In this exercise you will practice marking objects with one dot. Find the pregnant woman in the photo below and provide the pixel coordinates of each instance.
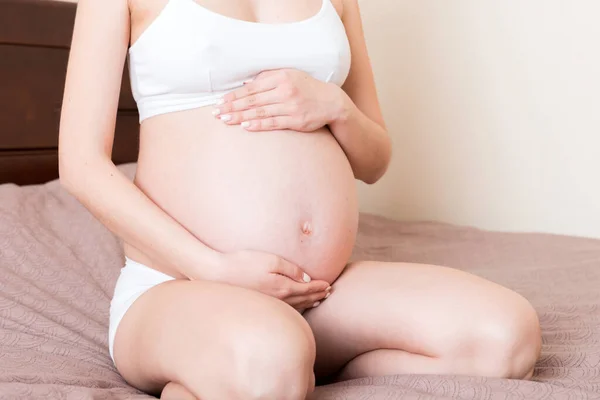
(256, 118)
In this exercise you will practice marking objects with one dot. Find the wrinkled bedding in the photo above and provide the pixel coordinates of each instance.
(58, 267)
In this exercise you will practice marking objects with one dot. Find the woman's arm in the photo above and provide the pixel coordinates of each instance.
(357, 122)
(96, 62)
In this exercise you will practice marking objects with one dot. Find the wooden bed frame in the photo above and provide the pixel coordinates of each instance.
(35, 36)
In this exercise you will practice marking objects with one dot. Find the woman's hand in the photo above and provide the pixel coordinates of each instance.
(281, 99)
(273, 276)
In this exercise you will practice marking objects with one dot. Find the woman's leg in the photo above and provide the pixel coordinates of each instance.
(393, 318)
(213, 341)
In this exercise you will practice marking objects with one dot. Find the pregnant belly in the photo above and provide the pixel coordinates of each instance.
(288, 193)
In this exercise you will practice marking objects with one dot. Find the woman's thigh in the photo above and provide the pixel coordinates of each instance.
(217, 341)
(420, 309)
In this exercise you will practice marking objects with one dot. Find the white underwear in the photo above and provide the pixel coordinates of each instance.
(135, 280)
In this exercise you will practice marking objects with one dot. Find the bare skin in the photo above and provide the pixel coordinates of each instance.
(239, 215)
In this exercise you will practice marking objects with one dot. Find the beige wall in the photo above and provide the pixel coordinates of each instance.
(494, 109)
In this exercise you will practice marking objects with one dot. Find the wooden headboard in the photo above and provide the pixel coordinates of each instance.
(35, 36)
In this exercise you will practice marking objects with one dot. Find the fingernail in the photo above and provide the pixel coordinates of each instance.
(226, 117)
(306, 278)
(245, 124)
(220, 102)
(216, 112)
(316, 304)
(328, 289)
(327, 295)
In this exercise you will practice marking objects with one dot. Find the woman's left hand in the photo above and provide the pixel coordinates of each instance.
(281, 99)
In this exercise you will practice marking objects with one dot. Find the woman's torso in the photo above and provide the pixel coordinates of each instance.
(283, 192)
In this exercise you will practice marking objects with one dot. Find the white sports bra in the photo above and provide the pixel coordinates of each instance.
(190, 56)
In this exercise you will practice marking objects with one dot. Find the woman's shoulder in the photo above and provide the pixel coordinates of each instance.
(338, 5)
(146, 6)
(344, 7)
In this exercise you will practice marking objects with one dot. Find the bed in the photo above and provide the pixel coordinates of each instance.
(58, 264)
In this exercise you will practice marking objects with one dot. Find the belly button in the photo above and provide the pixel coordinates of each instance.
(307, 228)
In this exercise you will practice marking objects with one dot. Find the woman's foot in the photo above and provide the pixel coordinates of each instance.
(174, 391)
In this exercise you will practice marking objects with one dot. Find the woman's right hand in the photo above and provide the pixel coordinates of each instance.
(273, 276)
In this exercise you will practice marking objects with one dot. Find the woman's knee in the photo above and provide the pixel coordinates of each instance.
(275, 358)
(269, 355)
(507, 344)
